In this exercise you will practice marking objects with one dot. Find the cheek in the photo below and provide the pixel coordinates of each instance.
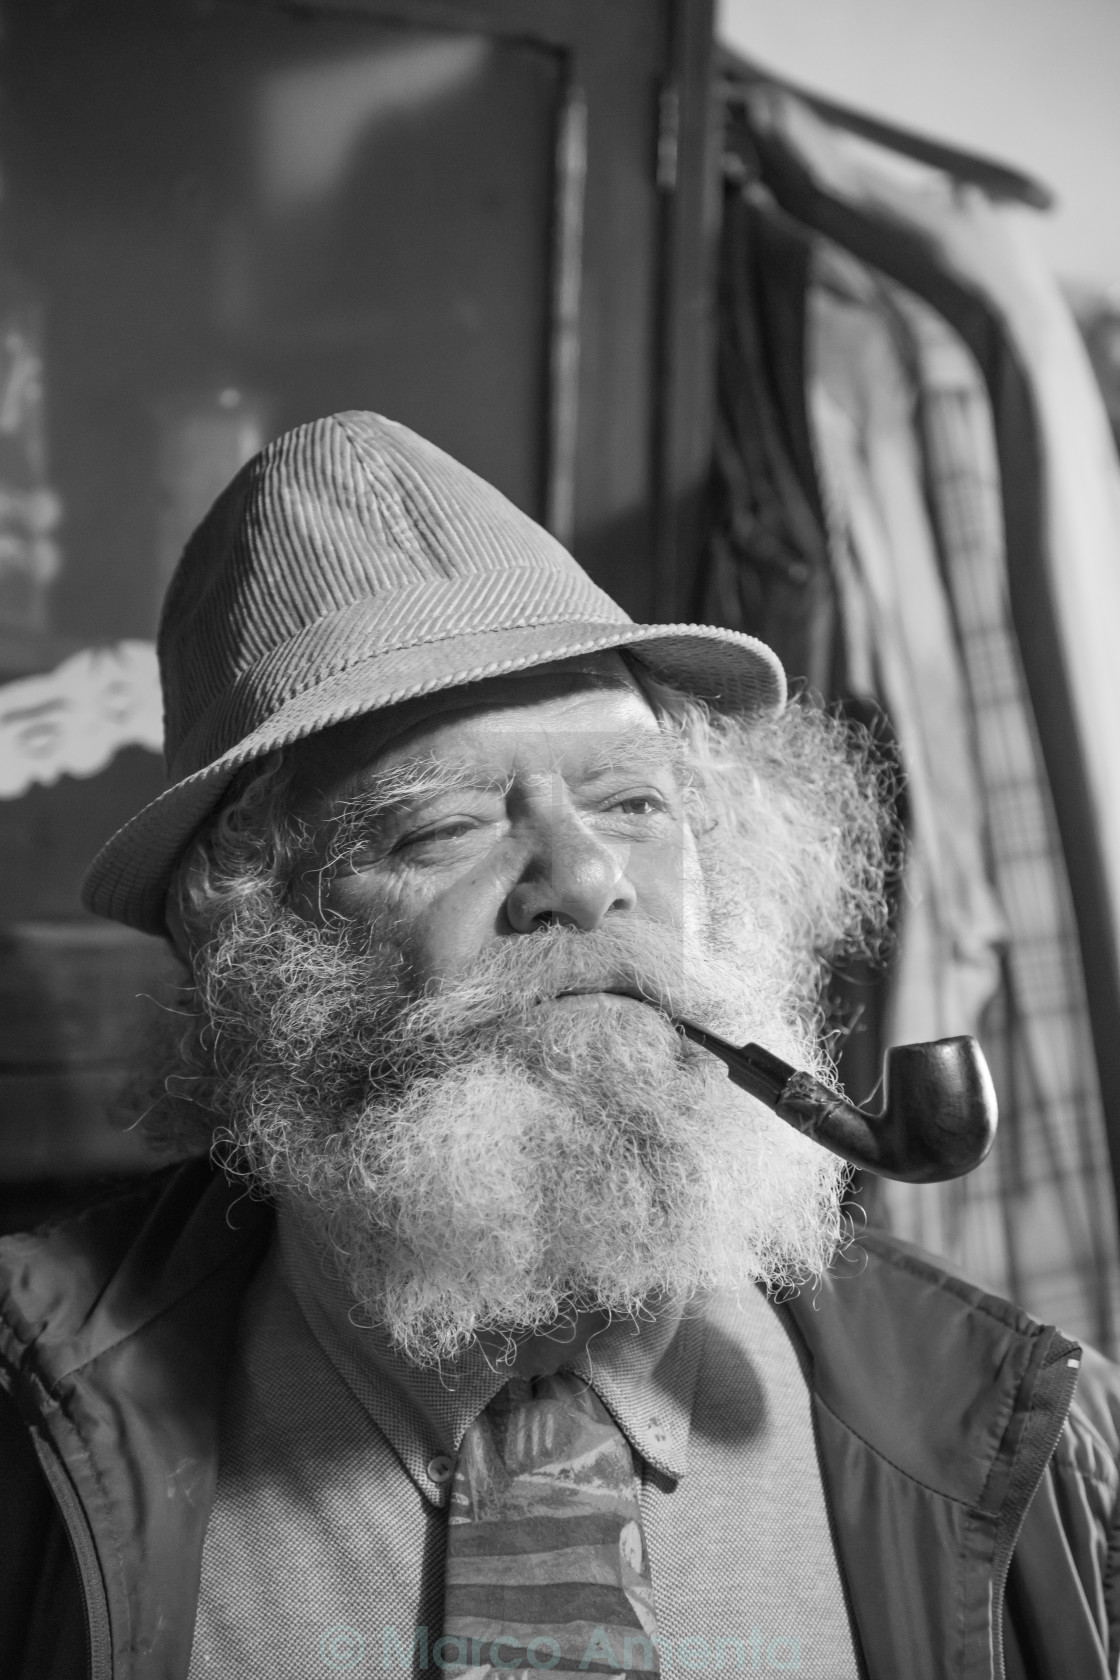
(442, 925)
(694, 891)
(666, 877)
(320, 897)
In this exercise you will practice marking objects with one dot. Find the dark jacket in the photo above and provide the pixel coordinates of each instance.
(974, 1499)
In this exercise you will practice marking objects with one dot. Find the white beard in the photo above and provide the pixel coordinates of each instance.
(476, 1160)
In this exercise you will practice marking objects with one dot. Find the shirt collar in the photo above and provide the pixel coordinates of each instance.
(643, 1370)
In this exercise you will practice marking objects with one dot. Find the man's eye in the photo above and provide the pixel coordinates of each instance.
(640, 805)
(455, 829)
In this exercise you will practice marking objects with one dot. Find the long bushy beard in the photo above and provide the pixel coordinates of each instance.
(482, 1158)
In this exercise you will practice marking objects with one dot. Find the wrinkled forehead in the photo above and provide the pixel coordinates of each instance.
(523, 706)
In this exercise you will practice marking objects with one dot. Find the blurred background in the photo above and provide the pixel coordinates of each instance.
(802, 319)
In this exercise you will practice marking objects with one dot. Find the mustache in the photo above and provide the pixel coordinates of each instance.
(510, 981)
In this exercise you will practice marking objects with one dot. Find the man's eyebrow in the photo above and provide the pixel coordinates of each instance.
(635, 750)
(392, 790)
(416, 778)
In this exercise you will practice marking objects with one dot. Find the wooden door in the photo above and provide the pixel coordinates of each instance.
(487, 218)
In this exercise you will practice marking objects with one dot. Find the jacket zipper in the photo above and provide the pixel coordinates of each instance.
(80, 1536)
(1067, 1356)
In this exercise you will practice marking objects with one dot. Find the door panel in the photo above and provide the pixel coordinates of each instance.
(237, 222)
(222, 217)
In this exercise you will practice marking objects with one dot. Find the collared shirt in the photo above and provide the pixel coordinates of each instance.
(325, 1552)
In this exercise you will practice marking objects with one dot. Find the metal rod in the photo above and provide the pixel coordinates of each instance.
(938, 1119)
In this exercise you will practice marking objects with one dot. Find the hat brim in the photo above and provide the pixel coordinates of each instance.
(129, 878)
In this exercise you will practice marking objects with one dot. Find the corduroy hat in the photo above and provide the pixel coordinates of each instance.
(350, 566)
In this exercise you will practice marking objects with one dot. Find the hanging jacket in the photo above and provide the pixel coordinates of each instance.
(766, 568)
(974, 1499)
(954, 248)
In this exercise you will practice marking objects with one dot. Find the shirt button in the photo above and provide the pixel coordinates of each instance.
(440, 1468)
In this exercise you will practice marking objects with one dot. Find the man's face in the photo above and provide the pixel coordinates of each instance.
(433, 1039)
(550, 798)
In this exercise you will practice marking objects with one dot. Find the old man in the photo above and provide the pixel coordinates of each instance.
(482, 1323)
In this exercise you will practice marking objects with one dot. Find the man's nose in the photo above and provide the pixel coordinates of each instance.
(572, 877)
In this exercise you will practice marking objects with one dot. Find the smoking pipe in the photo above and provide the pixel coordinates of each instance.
(939, 1106)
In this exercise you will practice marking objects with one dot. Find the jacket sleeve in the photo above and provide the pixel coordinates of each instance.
(1062, 1606)
(42, 1618)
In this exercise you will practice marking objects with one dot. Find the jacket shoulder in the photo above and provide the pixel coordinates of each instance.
(923, 1366)
(117, 1329)
(59, 1269)
(70, 1290)
(1087, 1452)
(1093, 1421)
(908, 1272)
